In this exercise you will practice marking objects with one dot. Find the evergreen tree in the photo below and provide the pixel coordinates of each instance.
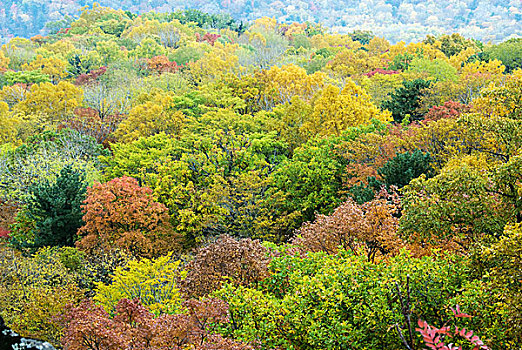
(406, 100)
(55, 209)
(404, 167)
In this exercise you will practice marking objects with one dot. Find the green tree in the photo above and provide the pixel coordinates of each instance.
(406, 100)
(455, 208)
(404, 167)
(54, 208)
(509, 52)
(342, 301)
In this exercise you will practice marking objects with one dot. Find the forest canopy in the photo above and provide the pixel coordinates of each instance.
(396, 20)
(187, 180)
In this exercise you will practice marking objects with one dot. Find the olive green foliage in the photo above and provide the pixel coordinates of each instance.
(406, 100)
(43, 157)
(401, 61)
(54, 211)
(33, 290)
(25, 77)
(505, 259)
(509, 52)
(437, 69)
(213, 185)
(362, 36)
(454, 206)
(310, 180)
(454, 44)
(339, 301)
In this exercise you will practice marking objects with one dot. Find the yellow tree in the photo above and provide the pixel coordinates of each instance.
(282, 84)
(150, 118)
(321, 41)
(502, 98)
(4, 61)
(216, 64)
(51, 102)
(8, 125)
(477, 75)
(378, 46)
(351, 62)
(55, 68)
(335, 110)
(59, 49)
(429, 51)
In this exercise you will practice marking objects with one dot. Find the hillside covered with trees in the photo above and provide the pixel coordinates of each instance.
(185, 180)
(396, 20)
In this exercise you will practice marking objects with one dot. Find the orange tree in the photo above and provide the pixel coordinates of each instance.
(122, 213)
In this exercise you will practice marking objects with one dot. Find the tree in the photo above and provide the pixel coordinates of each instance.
(150, 118)
(454, 207)
(406, 100)
(35, 288)
(123, 214)
(404, 167)
(330, 301)
(55, 68)
(505, 260)
(26, 77)
(52, 102)
(43, 157)
(455, 43)
(334, 110)
(4, 62)
(509, 52)
(152, 282)
(450, 109)
(309, 182)
(241, 262)
(370, 227)
(87, 121)
(281, 85)
(54, 210)
(132, 327)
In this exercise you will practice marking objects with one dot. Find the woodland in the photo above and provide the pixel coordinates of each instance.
(396, 20)
(184, 180)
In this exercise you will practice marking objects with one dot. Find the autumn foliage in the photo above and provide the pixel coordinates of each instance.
(242, 262)
(324, 190)
(133, 327)
(436, 338)
(123, 214)
(370, 228)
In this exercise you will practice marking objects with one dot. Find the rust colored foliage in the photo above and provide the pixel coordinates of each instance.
(208, 37)
(381, 71)
(91, 77)
(123, 214)
(88, 121)
(89, 326)
(243, 262)
(7, 217)
(450, 109)
(370, 227)
(161, 64)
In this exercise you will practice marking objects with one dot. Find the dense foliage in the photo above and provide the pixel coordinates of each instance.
(190, 181)
(396, 19)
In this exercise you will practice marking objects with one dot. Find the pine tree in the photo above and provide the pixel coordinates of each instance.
(55, 208)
